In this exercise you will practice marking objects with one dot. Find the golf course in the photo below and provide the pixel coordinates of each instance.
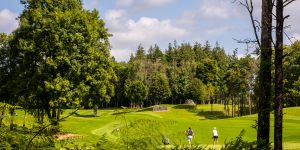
(144, 124)
(150, 74)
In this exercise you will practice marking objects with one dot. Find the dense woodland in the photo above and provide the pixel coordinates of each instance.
(59, 58)
(202, 73)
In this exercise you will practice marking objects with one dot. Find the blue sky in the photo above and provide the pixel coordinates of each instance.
(148, 22)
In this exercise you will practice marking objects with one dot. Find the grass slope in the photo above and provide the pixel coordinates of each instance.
(173, 124)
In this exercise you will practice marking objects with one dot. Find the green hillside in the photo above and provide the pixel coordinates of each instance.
(146, 124)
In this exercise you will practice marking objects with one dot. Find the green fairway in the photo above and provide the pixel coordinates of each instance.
(173, 123)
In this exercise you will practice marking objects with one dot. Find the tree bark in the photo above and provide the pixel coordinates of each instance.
(263, 132)
(250, 104)
(24, 121)
(278, 77)
(53, 113)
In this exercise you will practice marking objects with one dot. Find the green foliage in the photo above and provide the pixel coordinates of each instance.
(136, 91)
(295, 91)
(291, 67)
(141, 134)
(19, 139)
(239, 144)
(61, 56)
(159, 88)
(196, 90)
(207, 71)
(155, 54)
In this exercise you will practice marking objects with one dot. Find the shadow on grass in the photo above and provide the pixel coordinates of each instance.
(84, 116)
(206, 114)
(212, 115)
(184, 106)
(145, 109)
(121, 112)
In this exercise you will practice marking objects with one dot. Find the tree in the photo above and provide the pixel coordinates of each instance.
(159, 89)
(265, 48)
(196, 90)
(291, 69)
(155, 54)
(278, 104)
(136, 92)
(207, 71)
(60, 42)
(263, 132)
(295, 90)
(4, 66)
(121, 70)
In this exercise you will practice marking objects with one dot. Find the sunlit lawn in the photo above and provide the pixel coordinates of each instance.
(175, 121)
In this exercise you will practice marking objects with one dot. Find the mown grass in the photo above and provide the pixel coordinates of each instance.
(172, 124)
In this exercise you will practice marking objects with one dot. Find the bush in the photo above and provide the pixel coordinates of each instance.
(19, 139)
(240, 144)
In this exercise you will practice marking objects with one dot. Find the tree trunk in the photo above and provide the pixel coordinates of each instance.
(234, 103)
(53, 113)
(24, 123)
(263, 131)
(42, 116)
(12, 115)
(2, 115)
(242, 105)
(250, 103)
(239, 106)
(58, 113)
(211, 105)
(278, 77)
(95, 110)
(232, 108)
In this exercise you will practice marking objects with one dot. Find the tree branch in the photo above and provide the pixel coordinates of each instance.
(285, 17)
(52, 123)
(287, 2)
(249, 6)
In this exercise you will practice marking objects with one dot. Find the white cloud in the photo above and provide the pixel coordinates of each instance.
(91, 4)
(217, 30)
(8, 21)
(211, 18)
(121, 54)
(128, 33)
(124, 3)
(294, 11)
(115, 19)
(213, 9)
(146, 31)
(142, 4)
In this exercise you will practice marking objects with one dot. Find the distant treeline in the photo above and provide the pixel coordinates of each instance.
(202, 73)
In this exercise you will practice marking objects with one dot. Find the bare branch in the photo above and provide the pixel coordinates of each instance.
(285, 17)
(288, 37)
(287, 27)
(274, 16)
(287, 2)
(245, 41)
(274, 44)
(250, 43)
(258, 24)
(249, 6)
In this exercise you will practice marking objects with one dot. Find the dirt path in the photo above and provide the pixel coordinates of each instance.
(65, 136)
